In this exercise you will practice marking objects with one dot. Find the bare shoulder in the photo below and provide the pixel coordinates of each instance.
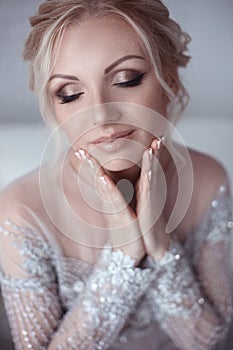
(209, 175)
(21, 207)
(23, 191)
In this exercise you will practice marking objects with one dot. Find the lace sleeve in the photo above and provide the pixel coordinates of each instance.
(31, 295)
(28, 285)
(100, 311)
(192, 288)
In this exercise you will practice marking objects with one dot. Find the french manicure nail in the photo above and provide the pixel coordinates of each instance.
(150, 153)
(90, 163)
(159, 144)
(82, 154)
(78, 155)
(149, 174)
(103, 180)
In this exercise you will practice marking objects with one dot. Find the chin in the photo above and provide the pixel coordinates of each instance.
(121, 159)
(118, 165)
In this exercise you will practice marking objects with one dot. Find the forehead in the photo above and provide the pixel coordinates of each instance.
(106, 38)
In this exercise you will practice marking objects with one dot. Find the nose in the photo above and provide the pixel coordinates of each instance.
(107, 112)
(104, 110)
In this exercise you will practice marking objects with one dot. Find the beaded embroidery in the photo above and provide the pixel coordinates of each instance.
(69, 304)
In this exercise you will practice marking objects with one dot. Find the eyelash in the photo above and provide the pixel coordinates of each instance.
(130, 83)
(69, 98)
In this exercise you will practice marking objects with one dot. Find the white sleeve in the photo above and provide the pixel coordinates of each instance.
(192, 288)
(30, 292)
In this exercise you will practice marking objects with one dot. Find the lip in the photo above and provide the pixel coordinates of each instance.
(113, 136)
(115, 142)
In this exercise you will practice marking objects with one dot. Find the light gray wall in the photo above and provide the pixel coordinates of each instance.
(17, 102)
(209, 77)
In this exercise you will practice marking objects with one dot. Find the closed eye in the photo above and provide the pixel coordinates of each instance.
(64, 97)
(131, 83)
(68, 98)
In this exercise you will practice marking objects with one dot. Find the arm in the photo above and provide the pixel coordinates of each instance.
(192, 298)
(185, 298)
(28, 285)
(103, 306)
(31, 298)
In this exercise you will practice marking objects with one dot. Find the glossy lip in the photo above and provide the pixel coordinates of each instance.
(113, 136)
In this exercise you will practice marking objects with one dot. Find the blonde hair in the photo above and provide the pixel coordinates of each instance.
(161, 36)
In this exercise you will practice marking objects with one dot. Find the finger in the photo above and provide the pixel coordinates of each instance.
(146, 189)
(158, 143)
(121, 220)
(145, 178)
(151, 225)
(92, 162)
(123, 225)
(109, 192)
(143, 208)
(105, 185)
(149, 174)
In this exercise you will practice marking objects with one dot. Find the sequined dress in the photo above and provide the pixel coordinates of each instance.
(183, 301)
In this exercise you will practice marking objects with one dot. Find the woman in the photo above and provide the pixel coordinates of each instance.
(119, 273)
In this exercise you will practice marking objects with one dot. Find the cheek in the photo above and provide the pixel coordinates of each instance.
(63, 111)
(144, 138)
(151, 96)
(154, 99)
(72, 127)
(59, 114)
(65, 121)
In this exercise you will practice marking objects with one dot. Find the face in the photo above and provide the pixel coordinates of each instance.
(101, 64)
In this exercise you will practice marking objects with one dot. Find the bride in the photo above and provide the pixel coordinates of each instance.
(122, 240)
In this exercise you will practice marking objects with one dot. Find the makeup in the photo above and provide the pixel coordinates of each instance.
(112, 144)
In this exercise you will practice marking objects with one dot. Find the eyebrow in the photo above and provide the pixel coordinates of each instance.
(120, 60)
(106, 71)
(63, 76)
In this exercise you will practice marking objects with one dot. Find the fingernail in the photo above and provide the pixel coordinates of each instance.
(89, 161)
(78, 155)
(82, 154)
(150, 151)
(160, 142)
(149, 174)
(102, 179)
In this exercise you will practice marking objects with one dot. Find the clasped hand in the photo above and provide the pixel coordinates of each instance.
(140, 232)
